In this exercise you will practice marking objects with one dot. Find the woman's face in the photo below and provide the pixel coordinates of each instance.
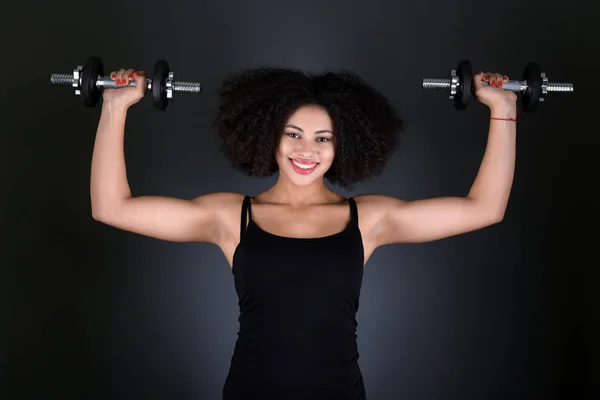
(306, 149)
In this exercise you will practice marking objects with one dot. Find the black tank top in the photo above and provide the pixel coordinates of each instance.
(298, 298)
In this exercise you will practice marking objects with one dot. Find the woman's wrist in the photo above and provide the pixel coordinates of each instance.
(505, 110)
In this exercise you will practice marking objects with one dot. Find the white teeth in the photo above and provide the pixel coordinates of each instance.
(304, 166)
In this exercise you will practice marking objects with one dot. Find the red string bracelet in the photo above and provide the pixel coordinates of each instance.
(508, 119)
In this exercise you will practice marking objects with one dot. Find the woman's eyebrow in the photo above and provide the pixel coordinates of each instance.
(300, 129)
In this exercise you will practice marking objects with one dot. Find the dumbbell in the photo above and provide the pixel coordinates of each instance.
(533, 88)
(89, 82)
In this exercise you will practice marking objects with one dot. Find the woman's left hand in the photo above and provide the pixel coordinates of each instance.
(493, 95)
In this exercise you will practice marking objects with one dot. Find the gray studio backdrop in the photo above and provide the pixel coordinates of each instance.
(92, 312)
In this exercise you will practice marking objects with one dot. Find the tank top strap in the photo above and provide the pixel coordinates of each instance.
(353, 209)
(246, 210)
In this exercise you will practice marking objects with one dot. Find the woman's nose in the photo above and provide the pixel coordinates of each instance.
(305, 147)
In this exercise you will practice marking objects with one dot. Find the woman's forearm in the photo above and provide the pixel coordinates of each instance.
(493, 183)
(108, 183)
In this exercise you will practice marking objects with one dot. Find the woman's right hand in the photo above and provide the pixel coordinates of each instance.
(126, 96)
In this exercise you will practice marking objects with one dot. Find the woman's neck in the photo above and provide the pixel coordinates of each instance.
(285, 192)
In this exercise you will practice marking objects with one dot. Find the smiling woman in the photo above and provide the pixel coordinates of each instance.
(297, 250)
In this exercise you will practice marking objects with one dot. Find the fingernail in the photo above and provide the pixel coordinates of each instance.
(486, 78)
(136, 73)
(499, 84)
(118, 81)
(130, 76)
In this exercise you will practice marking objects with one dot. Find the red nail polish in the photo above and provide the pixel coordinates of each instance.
(118, 82)
(499, 84)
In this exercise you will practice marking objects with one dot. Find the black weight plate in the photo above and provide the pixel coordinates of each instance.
(90, 93)
(464, 72)
(531, 97)
(159, 85)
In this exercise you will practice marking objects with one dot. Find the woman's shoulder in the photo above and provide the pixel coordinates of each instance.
(225, 208)
(220, 198)
(221, 203)
(373, 207)
(375, 200)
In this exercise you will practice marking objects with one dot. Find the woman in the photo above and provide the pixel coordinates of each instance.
(298, 249)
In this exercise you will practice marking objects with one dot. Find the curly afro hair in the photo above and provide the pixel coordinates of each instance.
(256, 103)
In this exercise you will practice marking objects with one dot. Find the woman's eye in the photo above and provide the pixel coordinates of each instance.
(291, 134)
(324, 139)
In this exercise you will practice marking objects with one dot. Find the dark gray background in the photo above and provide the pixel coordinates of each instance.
(91, 312)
